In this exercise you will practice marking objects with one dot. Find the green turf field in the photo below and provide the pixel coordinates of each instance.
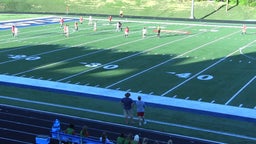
(205, 62)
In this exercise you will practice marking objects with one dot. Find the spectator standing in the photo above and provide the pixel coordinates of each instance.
(140, 106)
(127, 103)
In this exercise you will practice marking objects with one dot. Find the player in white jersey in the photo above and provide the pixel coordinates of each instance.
(144, 32)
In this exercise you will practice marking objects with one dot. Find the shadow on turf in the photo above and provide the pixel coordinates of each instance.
(98, 69)
(160, 78)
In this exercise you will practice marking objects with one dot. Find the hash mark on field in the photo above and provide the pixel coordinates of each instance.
(239, 91)
(241, 105)
(77, 83)
(151, 93)
(213, 101)
(200, 99)
(187, 98)
(212, 65)
(68, 81)
(49, 79)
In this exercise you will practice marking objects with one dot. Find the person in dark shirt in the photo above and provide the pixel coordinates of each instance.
(127, 103)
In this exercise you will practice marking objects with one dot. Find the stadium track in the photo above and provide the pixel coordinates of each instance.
(21, 126)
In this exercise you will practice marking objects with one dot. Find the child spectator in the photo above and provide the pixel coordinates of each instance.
(120, 139)
(140, 105)
(104, 139)
(70, 130)
(84, 131)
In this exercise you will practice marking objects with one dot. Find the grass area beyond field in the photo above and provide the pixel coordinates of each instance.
(163, 8)
(212, 63)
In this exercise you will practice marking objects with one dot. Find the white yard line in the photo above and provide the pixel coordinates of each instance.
(169, 59)
(47, 52)
(219, 61)
(127, 57)
(42, 36)
(239, 91)
(80, 56)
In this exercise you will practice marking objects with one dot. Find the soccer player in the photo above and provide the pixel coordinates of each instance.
(120, 26)
(81, 19)
(13, 30)
(90, 20)
(76, 26)
(109, 19)
(95, 26)
(121, 13)
(126, 32)
(244, 29)
(66, 31)
(117, 27)
(158, 31)
(144, 32)
(16, 31)
(61, 22)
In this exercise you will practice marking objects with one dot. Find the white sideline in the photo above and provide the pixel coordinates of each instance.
(210, 108)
